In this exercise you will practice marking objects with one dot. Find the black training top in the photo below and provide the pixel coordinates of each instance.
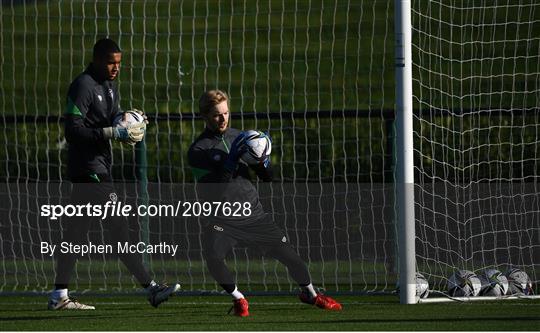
(207, 156)
(91, 106)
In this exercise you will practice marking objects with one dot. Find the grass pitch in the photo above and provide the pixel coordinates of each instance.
(268, 313)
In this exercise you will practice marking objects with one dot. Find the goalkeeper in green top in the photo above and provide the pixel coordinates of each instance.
(92, 105)
(221, 176)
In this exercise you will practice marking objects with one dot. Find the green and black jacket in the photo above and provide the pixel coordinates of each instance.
(207, 156)
(91, 105)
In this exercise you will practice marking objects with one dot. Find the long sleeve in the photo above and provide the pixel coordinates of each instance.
(78, 103)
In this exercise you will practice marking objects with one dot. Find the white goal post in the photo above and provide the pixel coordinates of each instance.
(404, 152)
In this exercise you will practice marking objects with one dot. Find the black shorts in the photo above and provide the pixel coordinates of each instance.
(220, 238)
(96, 190)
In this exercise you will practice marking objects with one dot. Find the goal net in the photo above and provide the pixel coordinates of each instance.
(317, 75)
(476, 97)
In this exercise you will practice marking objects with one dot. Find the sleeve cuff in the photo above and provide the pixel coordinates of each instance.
(108, 133)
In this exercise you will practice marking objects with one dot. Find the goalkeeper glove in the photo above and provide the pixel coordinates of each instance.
(238, 148)
(266, 160)
(130, 134)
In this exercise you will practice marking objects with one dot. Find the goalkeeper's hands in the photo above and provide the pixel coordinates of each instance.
(266, 160)
(131, 135)
(238, 148)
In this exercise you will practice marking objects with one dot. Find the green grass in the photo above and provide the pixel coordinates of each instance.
(209, 313)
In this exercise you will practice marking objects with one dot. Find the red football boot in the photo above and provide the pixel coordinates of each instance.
(321, 301)
(240, 307)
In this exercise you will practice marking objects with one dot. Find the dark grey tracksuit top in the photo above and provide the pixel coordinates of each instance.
(91, 106)
(207, 156)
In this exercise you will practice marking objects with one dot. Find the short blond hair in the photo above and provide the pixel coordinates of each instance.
(210, 99)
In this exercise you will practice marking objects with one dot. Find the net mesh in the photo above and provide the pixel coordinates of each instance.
(475, 81)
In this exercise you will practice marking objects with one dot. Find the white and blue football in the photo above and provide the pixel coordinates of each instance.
(463, 283)
(258, 145)
(422, 286)
(519, 283)
(127, 118)
(494, 283)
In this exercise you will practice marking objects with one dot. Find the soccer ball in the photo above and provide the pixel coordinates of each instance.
(464, 283)
(422, 286)
(519, 282)
(127, 118)
(494, 283)
(258, 147)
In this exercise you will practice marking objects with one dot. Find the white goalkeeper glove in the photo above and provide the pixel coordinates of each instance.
(131, 134)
